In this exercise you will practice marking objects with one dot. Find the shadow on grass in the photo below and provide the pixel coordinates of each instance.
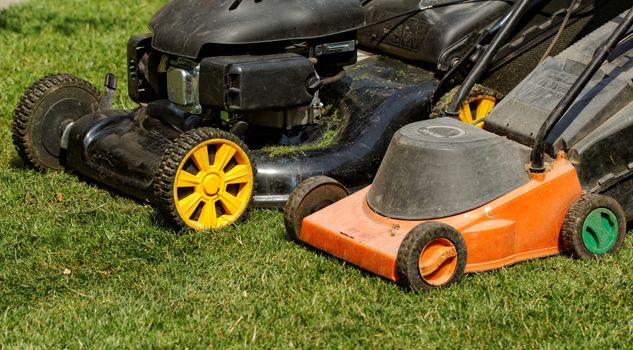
(157, 217)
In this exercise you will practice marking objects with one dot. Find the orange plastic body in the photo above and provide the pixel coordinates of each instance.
(524, 224)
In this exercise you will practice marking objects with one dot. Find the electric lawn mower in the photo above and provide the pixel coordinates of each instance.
(551, 171)
(215, 78)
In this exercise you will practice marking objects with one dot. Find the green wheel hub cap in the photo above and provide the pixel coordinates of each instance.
(600, 231)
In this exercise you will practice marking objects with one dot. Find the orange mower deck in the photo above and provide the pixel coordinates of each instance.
(524, 224)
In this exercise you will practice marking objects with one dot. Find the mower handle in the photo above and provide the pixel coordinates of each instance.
(602, 53)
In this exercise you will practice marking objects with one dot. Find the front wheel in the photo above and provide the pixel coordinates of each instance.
(309, 197)
(205, 180)
(432, 255)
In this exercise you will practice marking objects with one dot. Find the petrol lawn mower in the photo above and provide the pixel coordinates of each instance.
(215, 78)
(551, 171)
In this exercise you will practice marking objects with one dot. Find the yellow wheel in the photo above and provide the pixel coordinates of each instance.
(477, 108)
(479, 103)
(205, 180)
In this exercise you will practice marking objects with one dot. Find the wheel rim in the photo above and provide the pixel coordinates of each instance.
(321, 205)
(476, 108)
(438, 262)
(213, 185)
(58, 116)
(600, 231)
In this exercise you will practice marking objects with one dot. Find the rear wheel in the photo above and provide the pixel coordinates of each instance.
(205, 180)
(432, 255)
(479, 103)
(309, 197)
(595, 225)
(42, 114)
(477, 108)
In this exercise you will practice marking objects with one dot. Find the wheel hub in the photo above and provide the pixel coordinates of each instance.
(438, 261)
(600, 231)
(211, 185)
(57, 117)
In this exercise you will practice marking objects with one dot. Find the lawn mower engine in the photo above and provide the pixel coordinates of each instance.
(238, 65)
(209, 76)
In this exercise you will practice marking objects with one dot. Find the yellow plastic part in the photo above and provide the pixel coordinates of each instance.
(219, 192)
(476, 108)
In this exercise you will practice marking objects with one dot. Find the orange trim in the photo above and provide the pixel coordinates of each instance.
(438, 262)
(524, 224)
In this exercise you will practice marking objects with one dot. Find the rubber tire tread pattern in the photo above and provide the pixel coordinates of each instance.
(174, 154)
(571, 233)
(296, 198)
(407, 262)
(29, 101)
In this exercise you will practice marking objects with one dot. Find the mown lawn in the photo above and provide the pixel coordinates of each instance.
(81, 266)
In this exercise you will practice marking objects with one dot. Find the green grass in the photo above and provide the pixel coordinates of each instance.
(332, 123)
(133, 282)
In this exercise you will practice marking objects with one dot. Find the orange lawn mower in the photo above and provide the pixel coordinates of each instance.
(550, 172)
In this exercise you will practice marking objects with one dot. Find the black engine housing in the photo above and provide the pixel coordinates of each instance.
(184, 27)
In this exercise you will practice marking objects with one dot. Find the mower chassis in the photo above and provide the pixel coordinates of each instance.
(522, 225)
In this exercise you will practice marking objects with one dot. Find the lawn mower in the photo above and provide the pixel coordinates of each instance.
(551, 171)
(214, 79)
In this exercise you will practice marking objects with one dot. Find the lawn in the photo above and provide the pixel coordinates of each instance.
(81, 266)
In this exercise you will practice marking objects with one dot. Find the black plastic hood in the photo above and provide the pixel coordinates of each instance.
(182, 27)
(442, 167)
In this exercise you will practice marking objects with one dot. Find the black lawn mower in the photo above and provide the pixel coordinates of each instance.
(225, 87)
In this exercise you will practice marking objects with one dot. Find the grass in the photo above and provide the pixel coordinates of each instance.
(332, 123)
(93, 269)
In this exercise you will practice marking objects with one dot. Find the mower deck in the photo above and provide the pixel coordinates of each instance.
(524, 224)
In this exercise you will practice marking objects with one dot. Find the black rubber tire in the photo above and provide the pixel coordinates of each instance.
(38, 120)
(310, 196)
(166, 173)
(477, 90)
(407, 262)
(571, 233)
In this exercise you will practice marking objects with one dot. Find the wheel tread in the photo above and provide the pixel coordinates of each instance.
(166, 173)
(297, 196)
(571, 232)
(27, 105)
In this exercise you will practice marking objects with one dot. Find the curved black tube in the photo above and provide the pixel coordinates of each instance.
(354, 159)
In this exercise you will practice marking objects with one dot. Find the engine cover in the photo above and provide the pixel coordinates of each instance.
(254, 83)
(183, 27)
(441, 167)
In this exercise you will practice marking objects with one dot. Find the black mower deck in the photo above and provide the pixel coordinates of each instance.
(378, 97)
